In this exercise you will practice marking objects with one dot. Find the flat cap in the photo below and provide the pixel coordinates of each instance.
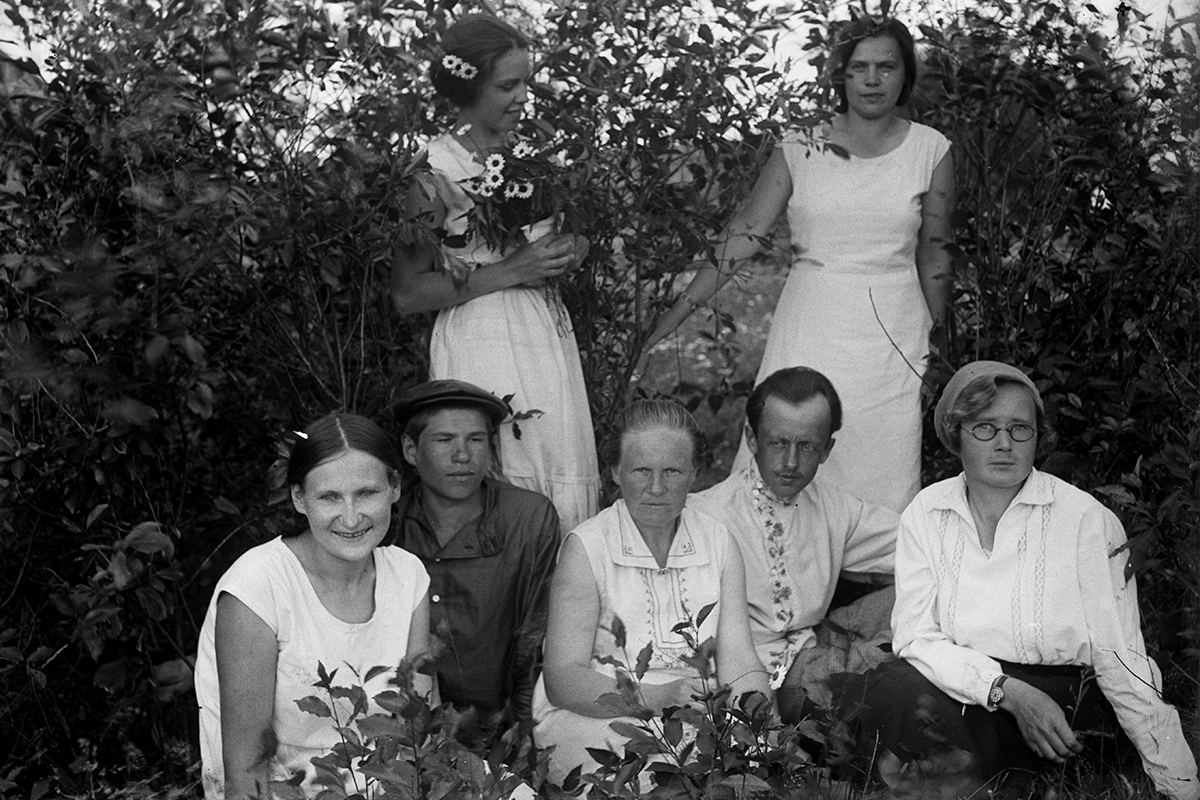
(436, 393)
(967, 375)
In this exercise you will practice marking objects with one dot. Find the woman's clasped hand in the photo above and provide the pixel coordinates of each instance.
(551, 256)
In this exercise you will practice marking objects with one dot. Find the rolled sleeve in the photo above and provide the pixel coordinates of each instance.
(1127, 676)
(871, 544)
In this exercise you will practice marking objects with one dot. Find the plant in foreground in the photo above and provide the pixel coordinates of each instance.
(396, 745)
(713, 748)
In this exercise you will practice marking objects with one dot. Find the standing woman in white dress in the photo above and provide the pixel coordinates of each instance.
(498, 326)
(869, 198)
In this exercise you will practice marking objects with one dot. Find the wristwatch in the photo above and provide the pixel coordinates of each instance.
(996, 693)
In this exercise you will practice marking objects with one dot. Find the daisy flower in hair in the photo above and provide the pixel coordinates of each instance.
(459, 68)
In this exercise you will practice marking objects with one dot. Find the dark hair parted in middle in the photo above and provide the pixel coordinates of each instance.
(848, 36)
(976, 397)
(334, 434)
(794, 385)
(480, 40)
(644, 415)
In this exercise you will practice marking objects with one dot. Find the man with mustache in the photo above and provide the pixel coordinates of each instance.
(489, 549)
(797, 534)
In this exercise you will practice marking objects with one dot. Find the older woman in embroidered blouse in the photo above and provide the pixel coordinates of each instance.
(641, 566)
(1009, 584)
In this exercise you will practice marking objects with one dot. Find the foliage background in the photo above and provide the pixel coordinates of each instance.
(198, 205)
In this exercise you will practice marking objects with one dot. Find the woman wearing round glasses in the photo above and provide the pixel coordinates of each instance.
(1010, 585)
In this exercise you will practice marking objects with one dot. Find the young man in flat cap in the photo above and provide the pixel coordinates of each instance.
(489, 549)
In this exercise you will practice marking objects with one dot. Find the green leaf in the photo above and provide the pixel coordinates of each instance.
(152, 603)
(314, 705)
(112, 676)
(156, 349)
(130, 411)
(149, 538)
(673, 731)
(325, 679)
(376, 726)
(375, 671)
(95, 514)
(119, 571)
(643, 660)
(617, 628)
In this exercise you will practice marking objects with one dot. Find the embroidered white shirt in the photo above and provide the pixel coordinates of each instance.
(1051, 591)
(793, 553)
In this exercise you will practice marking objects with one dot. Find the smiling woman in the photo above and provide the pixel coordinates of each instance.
(499, 325)
(329, 595)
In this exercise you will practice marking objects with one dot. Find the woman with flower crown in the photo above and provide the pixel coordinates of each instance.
(499, 326)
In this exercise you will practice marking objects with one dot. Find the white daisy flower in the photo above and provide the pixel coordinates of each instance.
(459, 68)
(494, 163)
(492, 180)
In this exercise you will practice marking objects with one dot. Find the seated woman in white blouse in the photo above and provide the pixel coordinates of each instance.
(650, 561)
(1010, 583)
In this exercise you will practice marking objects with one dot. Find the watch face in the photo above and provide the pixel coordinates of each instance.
(996, 693)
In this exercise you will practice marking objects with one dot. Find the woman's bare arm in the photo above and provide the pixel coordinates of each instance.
(737, 660)
(934, 264)
(571, 683)
(418, 645)
(739, 241)
(247, 655)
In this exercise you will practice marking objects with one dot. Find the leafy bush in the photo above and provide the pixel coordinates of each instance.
(197, 213)
(1078, 259)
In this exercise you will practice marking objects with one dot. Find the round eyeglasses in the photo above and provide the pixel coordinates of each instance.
(986, 431)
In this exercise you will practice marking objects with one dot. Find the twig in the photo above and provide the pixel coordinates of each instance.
(896, 347)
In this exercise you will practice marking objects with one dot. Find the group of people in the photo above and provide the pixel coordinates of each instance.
(530, 602)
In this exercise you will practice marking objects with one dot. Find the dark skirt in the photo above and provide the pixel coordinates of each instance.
(900, 711)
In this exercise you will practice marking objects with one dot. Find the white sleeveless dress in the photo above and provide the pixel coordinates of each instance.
(650, 601)
(513, 342)
(852, 306)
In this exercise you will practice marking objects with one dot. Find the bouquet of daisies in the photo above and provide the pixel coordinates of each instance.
(520, 195)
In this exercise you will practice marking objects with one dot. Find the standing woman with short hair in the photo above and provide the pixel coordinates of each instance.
(869, 198)
(329, 595)
(500, 328)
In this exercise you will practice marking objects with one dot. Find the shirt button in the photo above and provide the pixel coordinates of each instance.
(436, 598)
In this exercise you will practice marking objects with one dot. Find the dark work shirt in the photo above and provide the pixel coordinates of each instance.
(488, 589)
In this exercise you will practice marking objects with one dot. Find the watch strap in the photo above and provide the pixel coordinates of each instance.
(996, 692)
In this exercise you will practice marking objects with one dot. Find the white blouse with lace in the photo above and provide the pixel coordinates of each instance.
(1053, 590)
